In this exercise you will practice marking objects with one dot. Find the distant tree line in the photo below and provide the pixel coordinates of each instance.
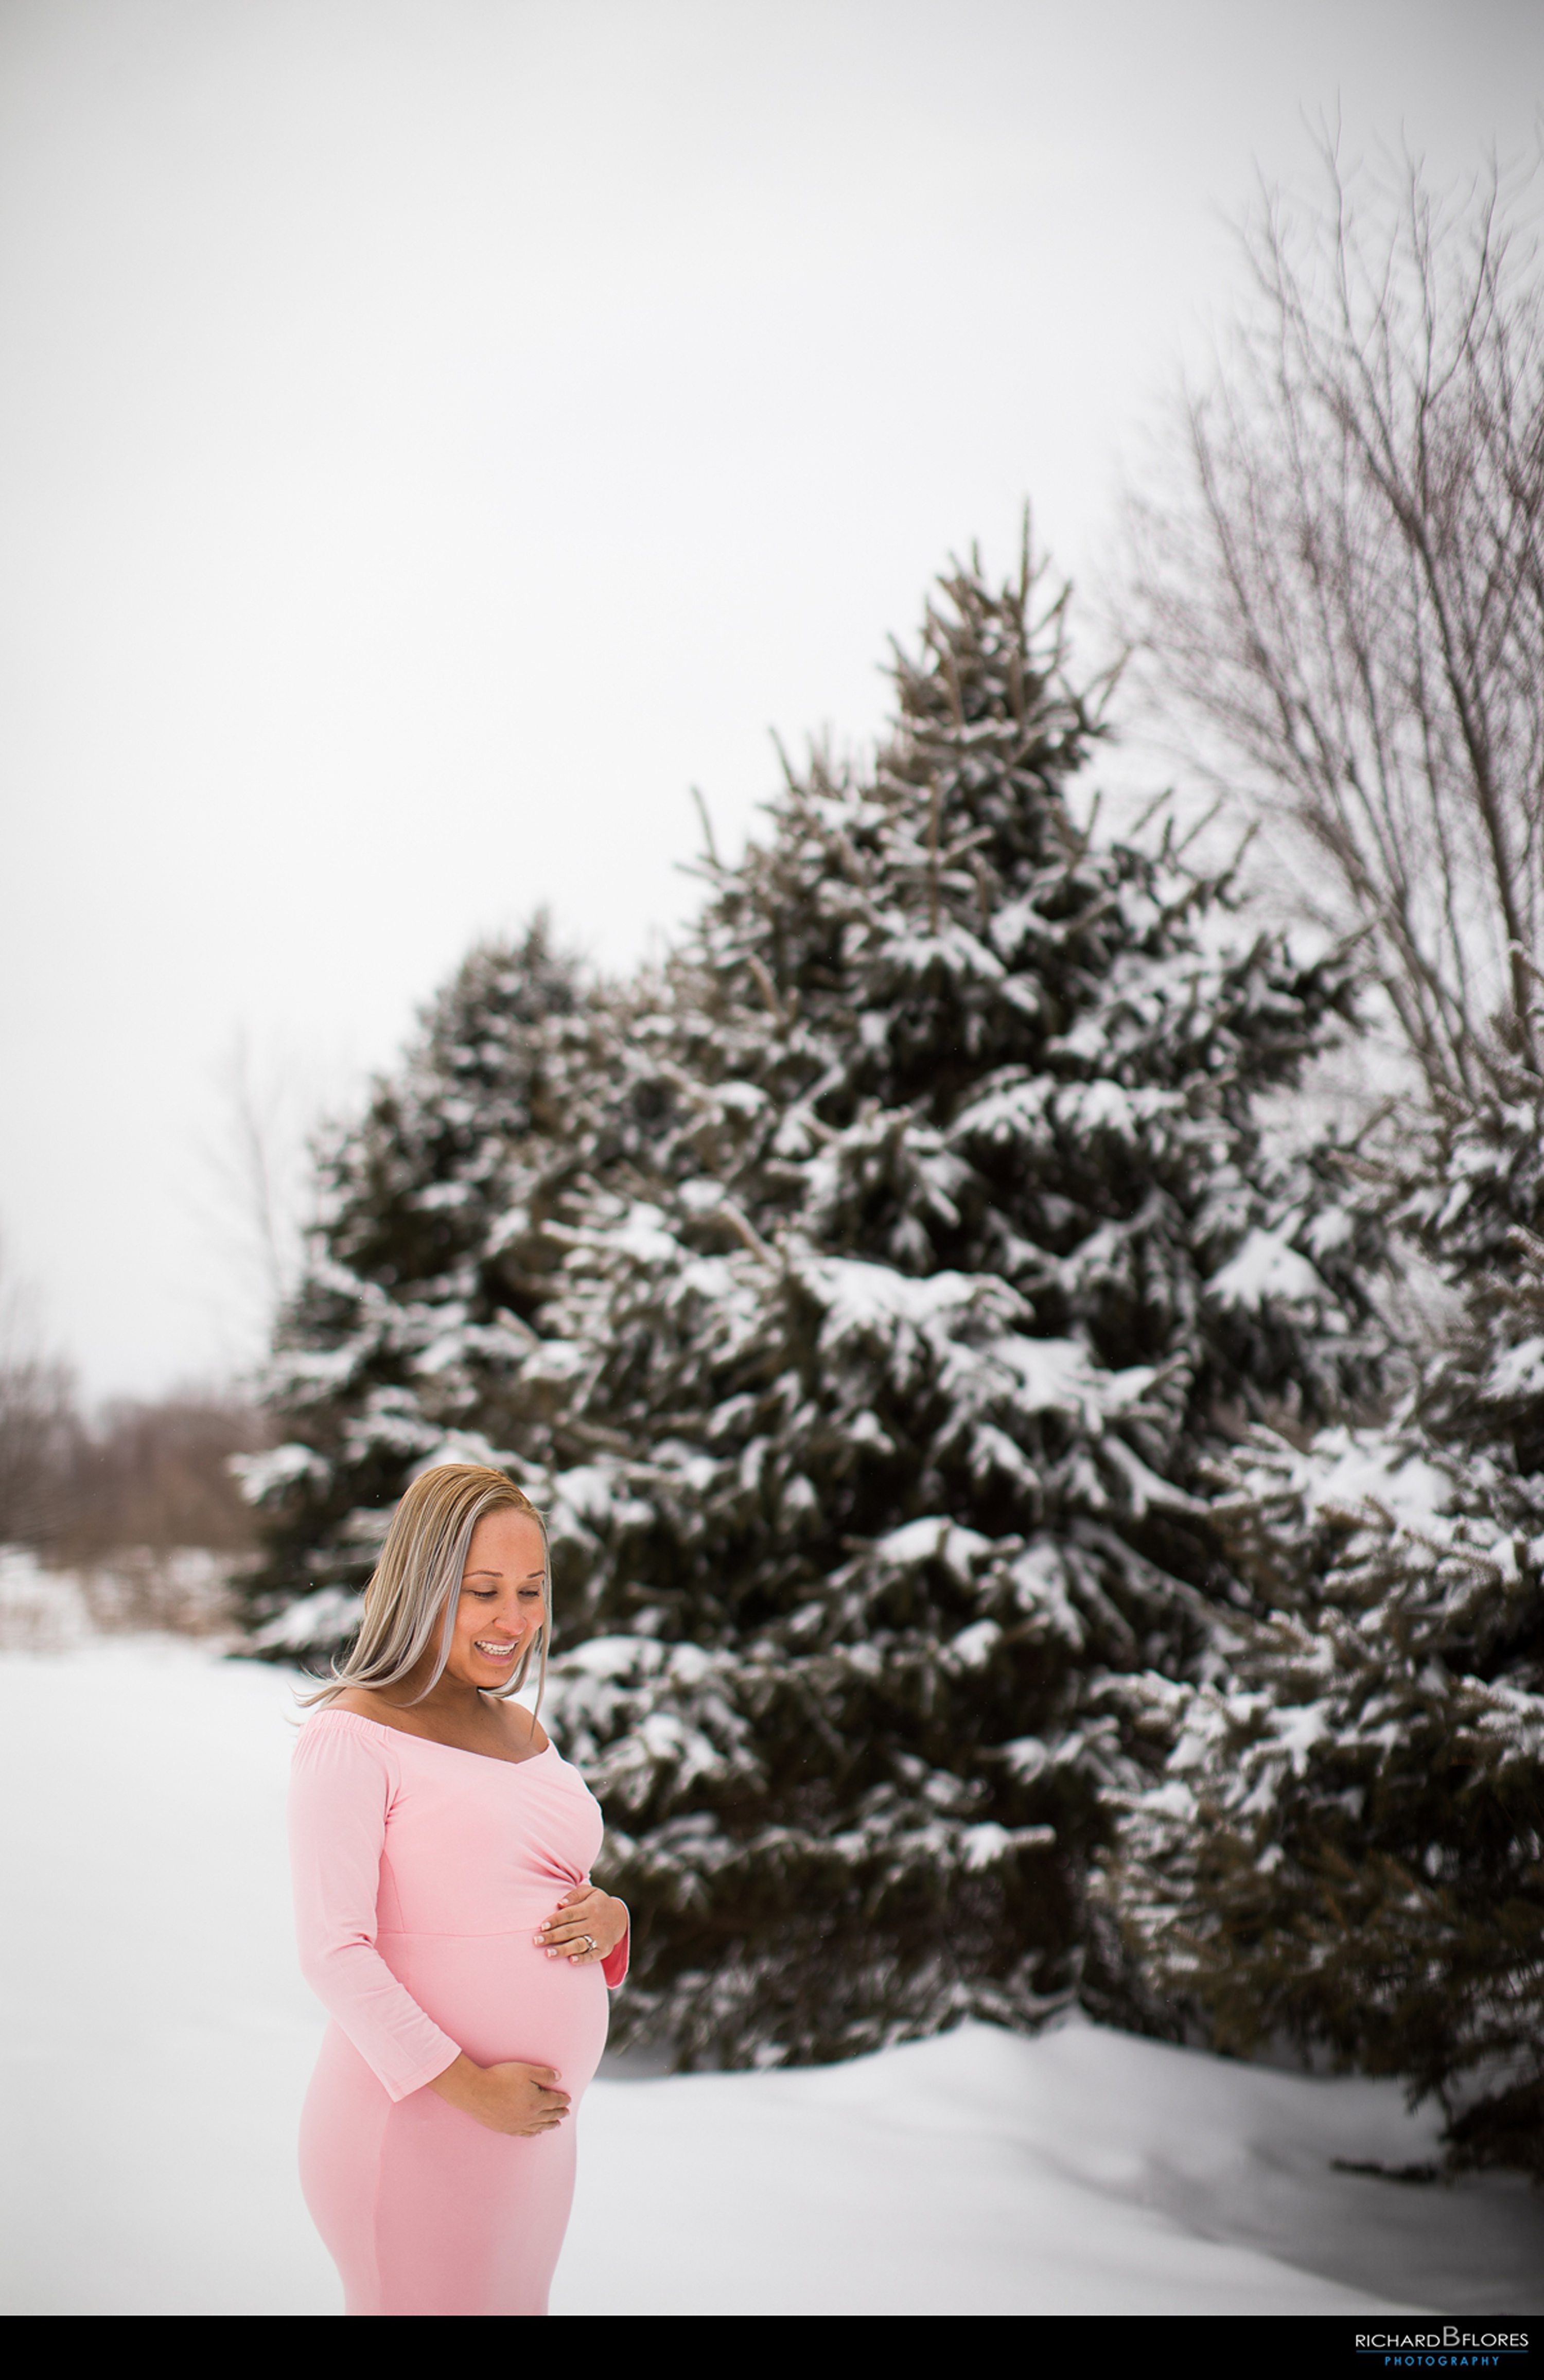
(1011, 1537)
(151, 1473)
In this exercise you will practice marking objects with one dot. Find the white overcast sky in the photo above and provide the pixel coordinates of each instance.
(436, 433)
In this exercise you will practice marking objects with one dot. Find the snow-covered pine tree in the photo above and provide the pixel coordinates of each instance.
(1346, 1844)
(416, 1331)
(965, 1228)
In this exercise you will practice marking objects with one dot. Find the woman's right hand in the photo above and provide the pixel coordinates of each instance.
(507, 2098)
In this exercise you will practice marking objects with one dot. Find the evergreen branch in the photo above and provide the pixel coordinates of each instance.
(716, 864)
(768, 990)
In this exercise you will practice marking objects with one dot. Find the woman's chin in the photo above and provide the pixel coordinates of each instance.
(484, 1669)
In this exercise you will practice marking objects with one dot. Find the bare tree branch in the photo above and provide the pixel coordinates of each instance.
(1343, 602)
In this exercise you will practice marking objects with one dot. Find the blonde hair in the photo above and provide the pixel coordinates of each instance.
(416, 1585)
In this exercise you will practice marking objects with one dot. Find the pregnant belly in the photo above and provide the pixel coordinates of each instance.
(500, 1997)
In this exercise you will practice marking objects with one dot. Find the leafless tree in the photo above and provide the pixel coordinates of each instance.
(40, 1429)
(1340, 599)
(255, 1168)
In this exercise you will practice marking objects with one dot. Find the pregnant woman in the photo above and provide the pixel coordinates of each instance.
(441, 1852)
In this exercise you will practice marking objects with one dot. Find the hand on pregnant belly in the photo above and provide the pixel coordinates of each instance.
(587, 1926)
(506, 2098)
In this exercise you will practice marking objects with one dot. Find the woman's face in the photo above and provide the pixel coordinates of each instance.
(503, 1600)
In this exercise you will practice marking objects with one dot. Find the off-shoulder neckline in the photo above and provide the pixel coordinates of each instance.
(406, 1735)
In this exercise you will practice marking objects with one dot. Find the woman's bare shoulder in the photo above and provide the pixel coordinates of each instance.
(525, 1728)
(365, 1704)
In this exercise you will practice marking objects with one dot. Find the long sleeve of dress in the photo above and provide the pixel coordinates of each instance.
(340, 1791)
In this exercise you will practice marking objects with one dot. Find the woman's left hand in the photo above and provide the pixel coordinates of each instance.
(585, 1927)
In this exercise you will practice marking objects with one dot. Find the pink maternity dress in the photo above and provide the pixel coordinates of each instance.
(421, 1873)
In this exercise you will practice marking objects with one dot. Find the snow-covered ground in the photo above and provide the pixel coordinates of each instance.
(157, 2042)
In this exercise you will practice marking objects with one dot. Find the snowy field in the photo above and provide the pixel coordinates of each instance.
(157, 2042)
